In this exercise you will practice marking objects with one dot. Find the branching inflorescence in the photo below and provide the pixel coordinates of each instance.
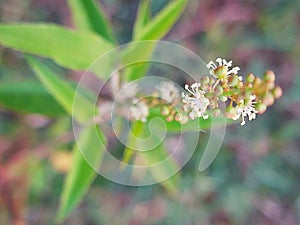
(243, 98)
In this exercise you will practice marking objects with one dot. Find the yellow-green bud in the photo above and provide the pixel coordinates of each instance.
(164, 110)
(261, 108)
(219, 90)
(230, 111)
(233, 80)
(221, 72)
(257, 81)
(277, 92)
(223, 98)
(204, 80)
(250, 78)
(269, 76)
(170, 118)
(268, 99)
(270, 85)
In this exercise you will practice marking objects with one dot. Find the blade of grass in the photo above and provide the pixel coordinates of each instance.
(87, 15)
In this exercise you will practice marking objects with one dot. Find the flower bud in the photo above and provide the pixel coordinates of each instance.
(230, 111)
(268, 99)
(221, 72)
(170, 118)
(269, 76)
(233, 80)
(261, 108)
(270, 85)
(164, 110)
(277, 92)
(257, 81)
(219, 90)
(240, 84)
(223, 98)
(204, 80)
(216, 112)
(250, 78)
(184, 119)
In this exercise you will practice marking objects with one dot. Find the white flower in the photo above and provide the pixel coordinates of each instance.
(168, 91)
(243, 111)
(222, 62)
(128, 91)
(139, 111)
(195, 101)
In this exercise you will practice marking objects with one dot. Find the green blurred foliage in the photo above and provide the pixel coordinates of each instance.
(254, 179)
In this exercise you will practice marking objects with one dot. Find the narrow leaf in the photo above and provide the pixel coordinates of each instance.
(153, 156)
(161, 24)
(29, 97)
(155, 29)
(62, 91)
(89, 16)
(88, 154)
(70, 49)
(142, 17)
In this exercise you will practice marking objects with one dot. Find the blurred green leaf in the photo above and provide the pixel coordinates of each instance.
(191, 125)
(87, 15)
(142, 17)
(153, 156)
(71, 49)
(155, 29)
(161, 24)
(29, 97)
(62, 91)
(88, 154)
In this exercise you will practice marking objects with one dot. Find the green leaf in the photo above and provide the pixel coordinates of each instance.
(29, 97)
(142, 17)
(161, 24)
(155, 29)
(191, 126)
(71, 49)
(62, 91)
(153, 156)
(87, 15)
(92, 144)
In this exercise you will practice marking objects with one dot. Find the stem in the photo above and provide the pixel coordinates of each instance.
(215, 85)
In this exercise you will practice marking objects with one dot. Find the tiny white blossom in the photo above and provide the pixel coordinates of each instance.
(168, 91)
(195, 101)
(128, 91)
(243, 111)
(139, 111)
(222, 62)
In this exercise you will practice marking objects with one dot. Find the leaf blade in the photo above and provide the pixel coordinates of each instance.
(29, 97)
(55, 42)
(89, 16)
(62, 91)
(82, 174)
(142, 17)
(163, 22)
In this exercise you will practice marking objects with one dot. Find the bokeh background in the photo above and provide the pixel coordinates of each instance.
(254, 180)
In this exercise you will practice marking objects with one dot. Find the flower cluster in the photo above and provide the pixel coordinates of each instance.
(243, 98)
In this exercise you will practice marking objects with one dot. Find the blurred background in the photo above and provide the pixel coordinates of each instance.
(254, 180)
